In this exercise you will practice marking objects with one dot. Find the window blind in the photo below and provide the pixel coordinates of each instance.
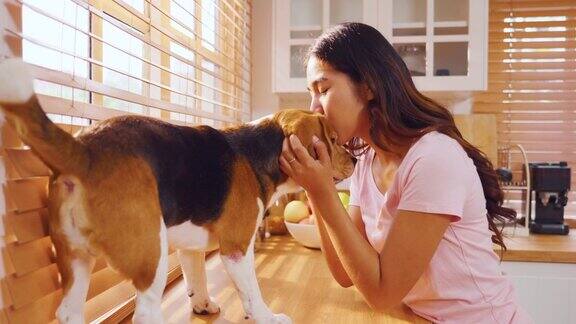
(185, 62)
(532, 81)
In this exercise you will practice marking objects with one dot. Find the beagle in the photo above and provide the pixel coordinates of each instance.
(129, 187)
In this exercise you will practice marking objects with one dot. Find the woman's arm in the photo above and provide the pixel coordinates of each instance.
(330, 254)
(382, 278)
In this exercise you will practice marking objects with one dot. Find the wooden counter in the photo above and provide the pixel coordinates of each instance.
(294, 280)
(541, 248)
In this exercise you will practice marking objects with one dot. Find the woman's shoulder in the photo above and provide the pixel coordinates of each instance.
(437, 145)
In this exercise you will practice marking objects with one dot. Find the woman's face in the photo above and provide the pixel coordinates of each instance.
(339, 99)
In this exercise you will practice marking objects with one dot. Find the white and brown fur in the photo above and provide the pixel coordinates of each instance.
(129, 187)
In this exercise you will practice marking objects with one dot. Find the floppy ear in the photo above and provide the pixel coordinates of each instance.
(312, 151)
(290, 120)
(302, 124)
(328, 135)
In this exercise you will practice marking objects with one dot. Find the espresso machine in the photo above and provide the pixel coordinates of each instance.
(550, 184)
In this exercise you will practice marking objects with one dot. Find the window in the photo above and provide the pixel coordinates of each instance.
(185, 62)
(122, 57)
(531, 82)
(55, 37)
(182, 17)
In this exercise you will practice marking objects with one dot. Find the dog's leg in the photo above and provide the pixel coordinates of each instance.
(240, 267)
(194, 270)
(148, 301)
(76, 282)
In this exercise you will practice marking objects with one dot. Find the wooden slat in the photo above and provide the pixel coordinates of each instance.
(500, 107)
(543, 136)
(552, 146)
(502, 35)
(504, 67)
(543, 12)
(31, 256)
(532, 85)
(555, 96)
(498, 55)
(28, 226)
(27, 163)
(568, 128)
(33, 286)
(28, 193)
(532, 5)
(570, 75)
(10, 169)
(500, 25)
(537, 116)
(41, 311)
(496, 46)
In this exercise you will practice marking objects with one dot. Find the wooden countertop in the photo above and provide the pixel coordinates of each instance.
(294, 280)
(541, 248)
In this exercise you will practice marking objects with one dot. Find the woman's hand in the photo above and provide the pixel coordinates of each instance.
(313, 175)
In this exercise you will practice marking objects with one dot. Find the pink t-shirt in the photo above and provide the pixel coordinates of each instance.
(463, 283)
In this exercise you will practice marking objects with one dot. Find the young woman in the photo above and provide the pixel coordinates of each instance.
(424, 203)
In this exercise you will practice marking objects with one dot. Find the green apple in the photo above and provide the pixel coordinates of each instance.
(344, 198)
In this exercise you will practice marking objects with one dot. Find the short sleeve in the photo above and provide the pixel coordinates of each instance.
(437, 181)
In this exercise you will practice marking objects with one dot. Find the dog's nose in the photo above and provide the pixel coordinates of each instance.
(354, 160)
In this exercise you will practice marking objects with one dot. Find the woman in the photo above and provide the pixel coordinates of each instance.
(424, 203)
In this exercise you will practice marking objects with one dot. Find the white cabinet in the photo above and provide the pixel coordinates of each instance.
(297, 23)
(547, 291)
(443, 42)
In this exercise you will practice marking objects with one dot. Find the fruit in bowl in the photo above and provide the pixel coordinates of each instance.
(301, 224)
(344, 198)
(295, 211)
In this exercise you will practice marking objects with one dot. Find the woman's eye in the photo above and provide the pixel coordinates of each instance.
(323, 92)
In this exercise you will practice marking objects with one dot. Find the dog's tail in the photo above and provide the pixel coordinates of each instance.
(57, 148)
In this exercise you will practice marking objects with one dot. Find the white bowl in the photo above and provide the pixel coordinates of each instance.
(305, 234)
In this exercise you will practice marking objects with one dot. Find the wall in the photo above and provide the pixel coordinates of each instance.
(264, 102)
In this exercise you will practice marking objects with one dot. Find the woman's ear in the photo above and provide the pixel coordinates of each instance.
(366, 92)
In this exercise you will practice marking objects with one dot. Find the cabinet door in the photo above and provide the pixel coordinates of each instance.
(298, 23)
(547, 291)
(443, 42)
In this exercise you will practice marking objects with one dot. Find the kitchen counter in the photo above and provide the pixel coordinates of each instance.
(294, 280)
(541, 248)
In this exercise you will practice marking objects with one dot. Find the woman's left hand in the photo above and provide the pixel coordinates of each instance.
(313, 175)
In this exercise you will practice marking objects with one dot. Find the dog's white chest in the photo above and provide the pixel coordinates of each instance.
(191, 237)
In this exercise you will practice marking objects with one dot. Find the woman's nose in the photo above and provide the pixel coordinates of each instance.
(315, 106)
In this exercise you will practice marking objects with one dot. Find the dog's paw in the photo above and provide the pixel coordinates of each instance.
(16, 82)
(147, 317)
(274, 319)
(205, 307)
(66, 316)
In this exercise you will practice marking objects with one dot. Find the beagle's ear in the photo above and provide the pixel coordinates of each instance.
(312, 151)
(290, 120)
(329, 135)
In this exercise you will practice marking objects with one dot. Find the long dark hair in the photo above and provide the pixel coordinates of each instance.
(399, 113)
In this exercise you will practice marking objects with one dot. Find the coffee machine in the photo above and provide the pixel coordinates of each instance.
(550, 184)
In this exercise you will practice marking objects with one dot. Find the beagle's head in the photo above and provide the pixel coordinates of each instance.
(306, 124)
